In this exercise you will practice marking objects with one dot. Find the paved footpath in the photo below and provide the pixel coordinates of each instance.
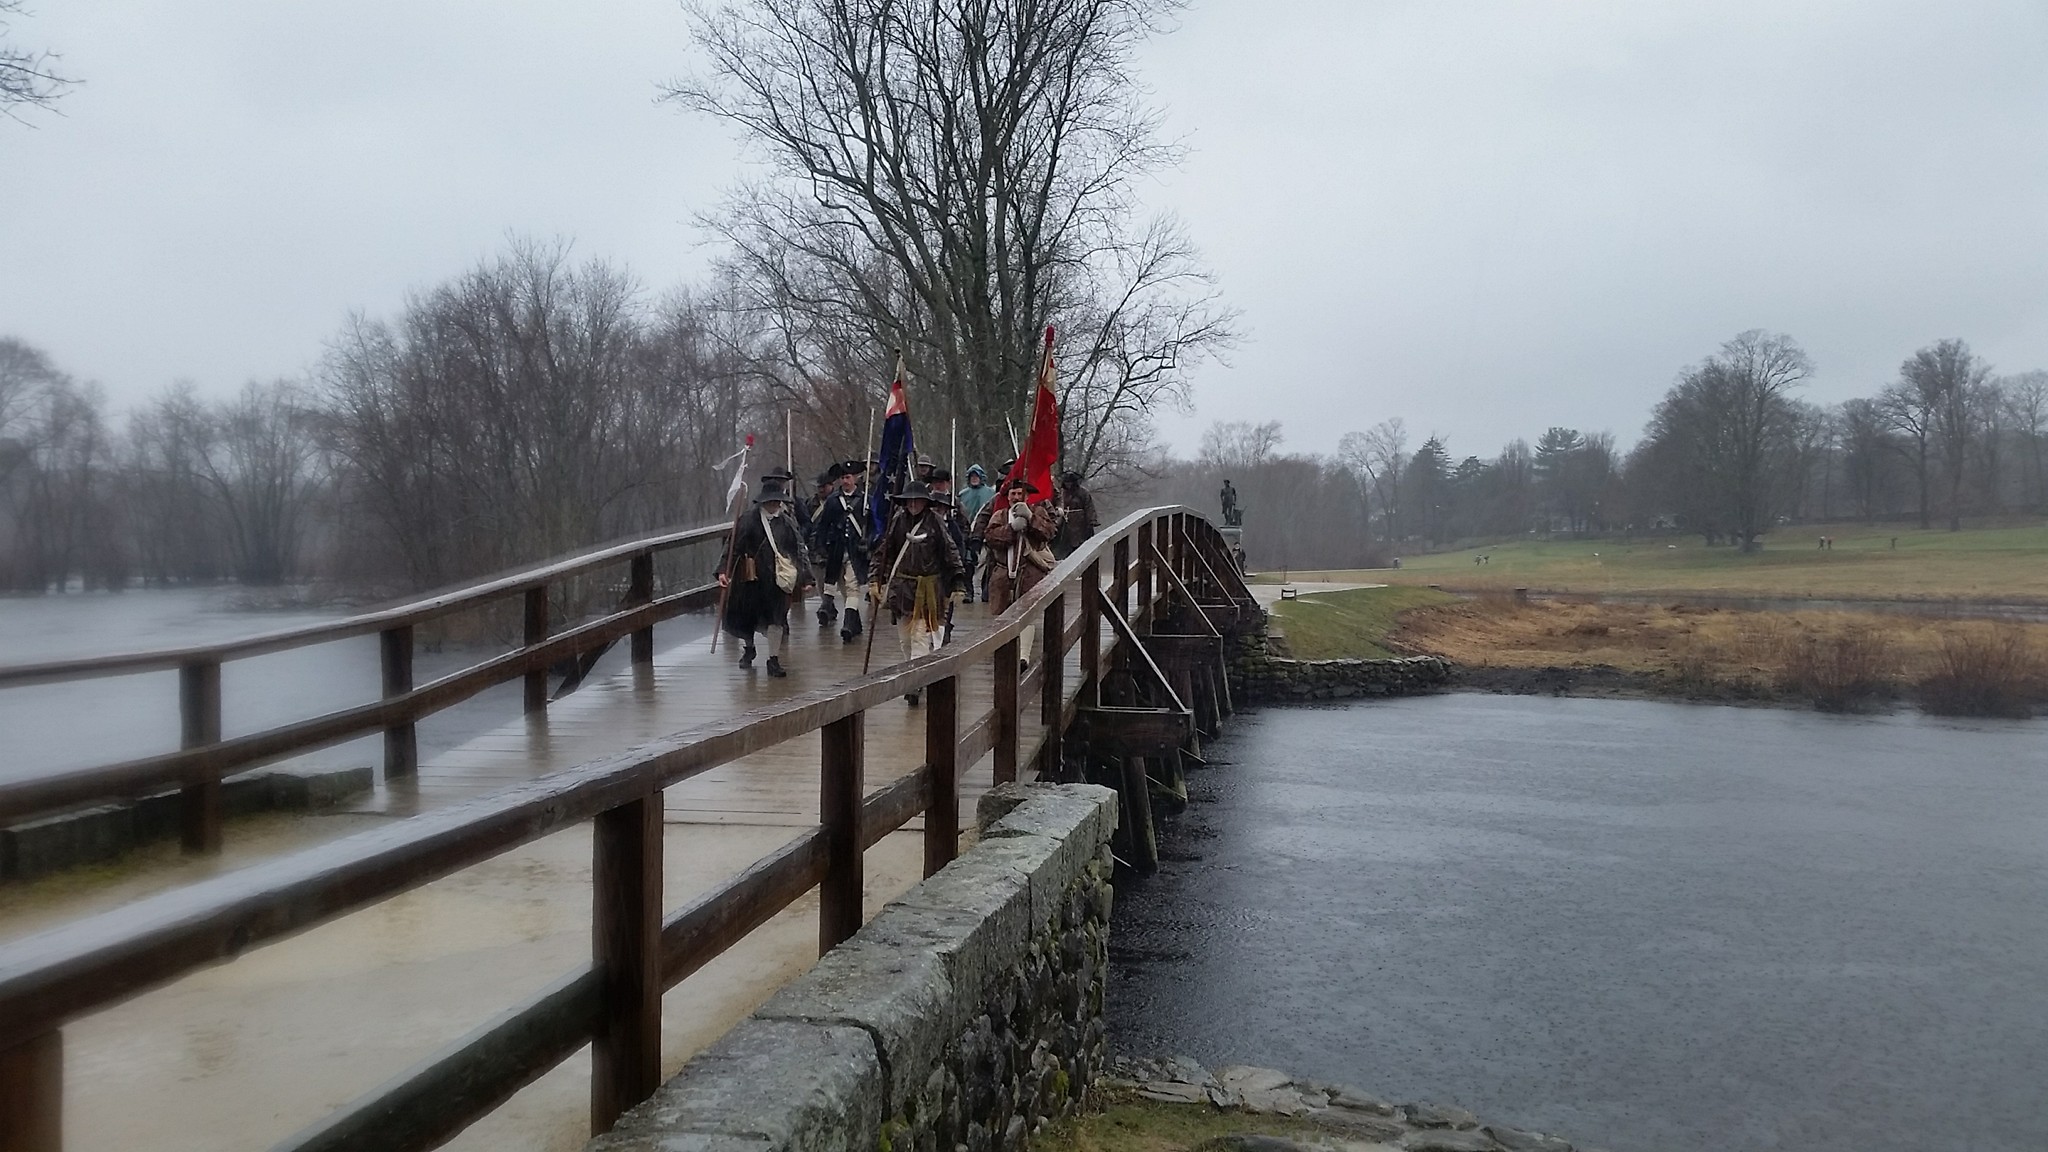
(241, 1055)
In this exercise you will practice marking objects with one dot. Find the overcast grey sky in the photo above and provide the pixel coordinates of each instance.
(1485, 218)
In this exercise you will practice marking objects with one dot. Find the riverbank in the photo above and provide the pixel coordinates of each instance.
(1175, 1103)
(1822, 658)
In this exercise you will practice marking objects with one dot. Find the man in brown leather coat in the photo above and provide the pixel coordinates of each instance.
(922, 569)
(1018, 537)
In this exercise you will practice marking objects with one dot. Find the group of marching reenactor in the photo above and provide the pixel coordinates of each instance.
(937, 548)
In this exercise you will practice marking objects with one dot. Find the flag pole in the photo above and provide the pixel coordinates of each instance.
(953, 465)
(867, 497)
(725, 589)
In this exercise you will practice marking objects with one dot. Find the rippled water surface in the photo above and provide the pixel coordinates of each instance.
(1642, 925)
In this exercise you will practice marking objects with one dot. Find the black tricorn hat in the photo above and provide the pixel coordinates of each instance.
(777, 474)
(827, 476)
(915, 490)
(771, 490)
(941, 476)
(1020, 484)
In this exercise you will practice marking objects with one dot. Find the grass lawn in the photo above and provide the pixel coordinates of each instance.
(2008, 564)
(1355, 622)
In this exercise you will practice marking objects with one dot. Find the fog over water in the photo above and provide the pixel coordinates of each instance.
(1636, 924)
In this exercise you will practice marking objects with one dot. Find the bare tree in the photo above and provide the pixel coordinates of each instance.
(173, 525)
(29, 78)
(2027, 399)
(534, 406)
(1933, 405)
(1239, 445)
(949, 180)
(1866, 435)
(57, 512)
(262, 465)
(1381, 455)
(1721, 436)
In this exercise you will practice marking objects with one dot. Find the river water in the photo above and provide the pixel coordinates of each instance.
(1644, 926)
(50, 727)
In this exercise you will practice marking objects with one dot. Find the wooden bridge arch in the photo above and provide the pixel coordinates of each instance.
(1137, 615)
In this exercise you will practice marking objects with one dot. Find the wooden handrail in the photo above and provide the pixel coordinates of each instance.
(412, 612)
(59, 975)
(204, 757)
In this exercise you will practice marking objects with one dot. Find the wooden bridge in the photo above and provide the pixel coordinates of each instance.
(1124, 679)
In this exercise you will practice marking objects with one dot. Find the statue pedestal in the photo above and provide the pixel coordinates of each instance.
(1234, 537)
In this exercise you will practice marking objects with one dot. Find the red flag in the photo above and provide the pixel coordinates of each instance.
(1041, 452)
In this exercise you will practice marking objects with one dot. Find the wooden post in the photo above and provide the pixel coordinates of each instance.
(1120, 576)
(641, 591)
(32, 1095)
(625, 1053)
(839, 803)
(1145, 575)
(199, 812)
(536, 633)
(1138, 810)
(401, 741)
(1052, 697)
(942, 753)
(1091, 633)
(1003, 723)
(1053, 700)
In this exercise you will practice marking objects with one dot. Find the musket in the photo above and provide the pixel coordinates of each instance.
(876, 605)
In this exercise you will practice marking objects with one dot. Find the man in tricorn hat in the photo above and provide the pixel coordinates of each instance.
(839, 538)
(794, 505)
(765, 566)
(1018, 538)
(1077, 513)
(948, 503)
(922, 571)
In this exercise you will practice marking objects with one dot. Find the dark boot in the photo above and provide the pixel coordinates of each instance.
(747, 657)
(828, 611)
(912, 698)
(851, 628)
(775, 667)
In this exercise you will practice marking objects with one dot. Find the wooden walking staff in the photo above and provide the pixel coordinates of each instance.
(876, 604)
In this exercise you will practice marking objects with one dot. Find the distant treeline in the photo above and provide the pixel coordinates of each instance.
(1729, 452)
(529, 407)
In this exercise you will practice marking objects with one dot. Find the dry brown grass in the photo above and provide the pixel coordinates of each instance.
(1985, 673)
(1833, 660)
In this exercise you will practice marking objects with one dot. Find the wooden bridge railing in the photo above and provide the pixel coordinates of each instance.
(205, 757)
(614, 1001)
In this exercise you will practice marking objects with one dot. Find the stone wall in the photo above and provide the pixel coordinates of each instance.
(46, 844)
(1261, 672)
(963, 1016)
